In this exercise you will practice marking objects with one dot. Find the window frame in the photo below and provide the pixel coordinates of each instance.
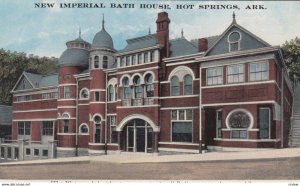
(214, 76)
(185, 85)
(80, 129)
(24, 128)
(238, 42)
(47, 130)
(257, 63)
(104, 62)
(96, 62)
(237, 74)
(67, 92)
(184, 120)
(82, 91)
(172, 86)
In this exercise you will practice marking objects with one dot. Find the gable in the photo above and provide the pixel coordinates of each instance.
(247, 41)
(23, 84)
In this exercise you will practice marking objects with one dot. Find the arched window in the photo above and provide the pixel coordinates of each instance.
(97, 134)
(105, 61)
(149, 85)
(84, 93)
(116, 92)
(239, 121)
(234, 41)
(96, 62)
(83, 128)
(126, 88)
(174, 86)
(66, 120)
(111, 93)
(188, 85)
(138, 92)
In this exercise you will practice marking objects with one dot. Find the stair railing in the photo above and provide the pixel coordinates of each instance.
(295, 83)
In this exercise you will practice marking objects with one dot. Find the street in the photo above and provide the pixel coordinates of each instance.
(272, 169)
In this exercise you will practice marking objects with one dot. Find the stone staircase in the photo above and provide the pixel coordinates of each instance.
(295, 128)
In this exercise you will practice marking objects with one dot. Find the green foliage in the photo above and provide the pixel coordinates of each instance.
(12, 65)
(291, 54)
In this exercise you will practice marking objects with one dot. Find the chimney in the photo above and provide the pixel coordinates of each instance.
(202, 45)
(162, 32)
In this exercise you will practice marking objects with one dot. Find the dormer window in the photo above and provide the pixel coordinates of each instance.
(234, 39)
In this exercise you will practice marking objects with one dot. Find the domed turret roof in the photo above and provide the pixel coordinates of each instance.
(77, 53)
(102, 39)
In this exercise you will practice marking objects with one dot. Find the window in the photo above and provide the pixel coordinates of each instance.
(182, 125)
(47, 128)
(139, 59)
(46, 96)
(111, 93)
(127, 60)
(174, 86)
(138, 93)
(152, 55)
(50, 95)
(96, 62)
(239, 121)
(113, 132)
(84, 129)
(67, 92)
(54, 95)
(28, 97)
(215, 76)
(134, 60)
(188, 85)
(146, 57)
(36, 152)
(122, 62)
(126, 88)
(264, 123)
(149, 85)
(97, 135)
(66, 126)
(45, 153)
(259, 71)
(16, 155)
(97, 96)
(20, 98)
(234, 41)
(235, 73)
(219, 123)
(9, 154)
(84, 93)
(27, 151)
(67, 76)
(24, 127)
(2, 152)
(104, 62)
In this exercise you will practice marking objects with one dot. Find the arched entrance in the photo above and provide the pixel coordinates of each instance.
(138, 134)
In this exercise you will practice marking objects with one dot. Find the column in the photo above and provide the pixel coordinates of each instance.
(155, 150)
(119, 140)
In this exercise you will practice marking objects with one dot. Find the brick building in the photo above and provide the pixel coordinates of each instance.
(156, 95)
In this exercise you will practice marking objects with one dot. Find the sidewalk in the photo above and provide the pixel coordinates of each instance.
(143, 158)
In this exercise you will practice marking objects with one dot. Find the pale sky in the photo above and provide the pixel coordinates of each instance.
(44, 31)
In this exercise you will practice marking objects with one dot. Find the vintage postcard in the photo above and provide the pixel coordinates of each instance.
(141, 92)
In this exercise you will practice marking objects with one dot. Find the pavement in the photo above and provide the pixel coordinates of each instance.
(258, 154)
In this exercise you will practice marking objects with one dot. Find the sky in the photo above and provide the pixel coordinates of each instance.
(44, 31)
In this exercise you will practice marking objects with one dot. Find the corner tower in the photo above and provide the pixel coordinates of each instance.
(101, 59)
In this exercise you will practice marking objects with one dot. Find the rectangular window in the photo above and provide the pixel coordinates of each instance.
(67, 76)
(113, 131)
(152, 55)
(28, 97)
(182, 125)
(219, 124)
(47, 128)
(36, 152)
(264, 123)
(24, 127)
(139, 59)
(97, 96)
(9, 153)
(27, 151)
(235, 73)
(66, 126)
(16, 156)
(67, 92)
(122, 62)
(146, 57)
(241, 134)
(127, 92)
(54, 95)
(45, 153)
(215, 76)
(20, 98)
(134, 60)
(2, 152)
(127, 60)
(259, 71)
(45, 95)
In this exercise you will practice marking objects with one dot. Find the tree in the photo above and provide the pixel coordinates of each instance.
(291, 54)
(12, 65)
